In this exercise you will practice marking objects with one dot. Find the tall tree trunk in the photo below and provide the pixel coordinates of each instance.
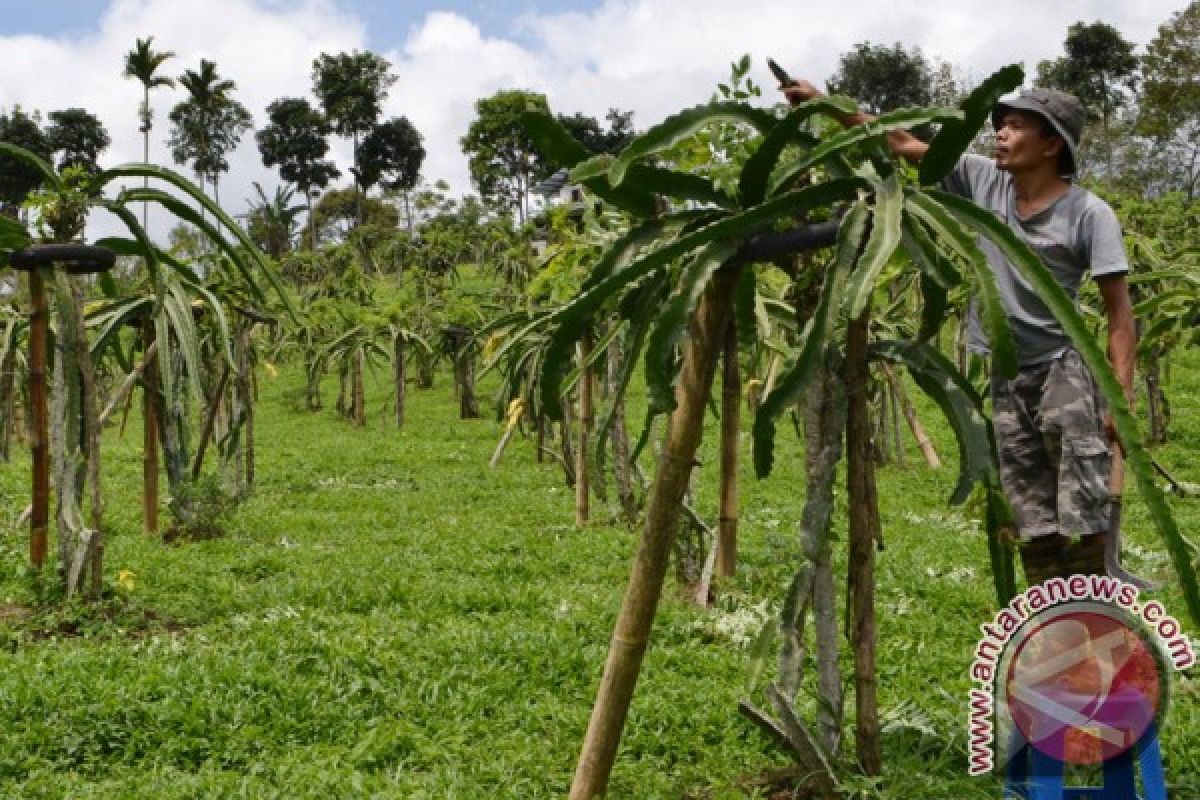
(636, 617)
(39, 425)
(731, 396)
(358, 203)
(146, 155)
(312, 223)
(582, 487)
(150, 395)
(864, 533)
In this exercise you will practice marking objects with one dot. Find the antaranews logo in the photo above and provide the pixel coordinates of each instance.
(1075, 667)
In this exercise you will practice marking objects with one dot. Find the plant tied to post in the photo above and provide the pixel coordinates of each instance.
(61, 208)
(685, 270)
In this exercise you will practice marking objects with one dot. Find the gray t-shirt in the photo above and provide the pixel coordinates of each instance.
(1076, 232)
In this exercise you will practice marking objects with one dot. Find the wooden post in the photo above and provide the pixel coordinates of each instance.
(358, 400)
(39, 440)
(864, 532)
(398, 366)
(210, 420)
(731, 395)
(246, 393)
(638, 608)
(149, 432)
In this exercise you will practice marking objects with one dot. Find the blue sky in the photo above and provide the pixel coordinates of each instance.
(386, 21)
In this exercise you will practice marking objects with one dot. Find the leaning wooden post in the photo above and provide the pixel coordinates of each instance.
(632, 631)
(864, 533)
(39, 441)
(150, 432)
(731, 395)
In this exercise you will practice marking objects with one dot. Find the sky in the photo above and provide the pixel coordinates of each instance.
(653, 57)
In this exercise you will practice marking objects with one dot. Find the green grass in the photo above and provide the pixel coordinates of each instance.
(388, 617)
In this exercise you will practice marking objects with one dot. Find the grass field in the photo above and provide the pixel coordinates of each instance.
(388, 617)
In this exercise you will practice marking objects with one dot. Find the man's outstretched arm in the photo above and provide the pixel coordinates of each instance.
(901, 143)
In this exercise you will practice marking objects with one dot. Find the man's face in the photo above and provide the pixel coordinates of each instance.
(1021, 145)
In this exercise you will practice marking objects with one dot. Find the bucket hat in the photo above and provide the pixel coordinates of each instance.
(1063, 111)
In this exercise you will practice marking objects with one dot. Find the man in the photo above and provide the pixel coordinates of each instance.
(1052, 430)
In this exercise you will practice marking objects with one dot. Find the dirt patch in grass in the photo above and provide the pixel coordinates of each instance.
(106, 619)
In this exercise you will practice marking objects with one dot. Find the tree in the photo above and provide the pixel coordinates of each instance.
(883, 78)
(1100, 69)
(340, 210)
(351, 88)
(78, 136)
(295, 141)
(588, 131)
(208, 124)
(18, 178)
(271, 221)
(391, 156)
(1169, 105)
(503, 160)
(142, 62)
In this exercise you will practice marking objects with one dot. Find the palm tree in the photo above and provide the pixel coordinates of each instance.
(208, 124)
(271, 221)
(142, 62)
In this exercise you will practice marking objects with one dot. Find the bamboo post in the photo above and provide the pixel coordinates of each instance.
(864, 532)
(150, 431)
(636, 617)
(910, 416)
(731, 395)
(39, 441)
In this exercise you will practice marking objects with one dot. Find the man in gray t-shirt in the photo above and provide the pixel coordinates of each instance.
(1051, 428)
(1074, 233)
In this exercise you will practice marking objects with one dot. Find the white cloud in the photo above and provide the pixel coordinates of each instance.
(649, 56)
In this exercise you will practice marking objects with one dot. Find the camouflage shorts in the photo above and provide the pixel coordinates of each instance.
(1054, 455)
